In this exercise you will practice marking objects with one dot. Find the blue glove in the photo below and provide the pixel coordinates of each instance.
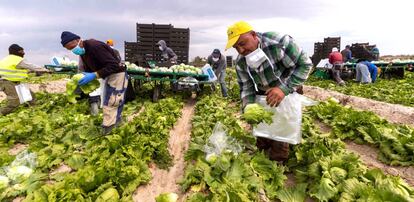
(88, 77)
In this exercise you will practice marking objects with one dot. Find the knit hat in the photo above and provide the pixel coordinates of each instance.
(14, 49)
(67, 37)
(216, 53)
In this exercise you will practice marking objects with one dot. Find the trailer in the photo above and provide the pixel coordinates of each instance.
(177, 81)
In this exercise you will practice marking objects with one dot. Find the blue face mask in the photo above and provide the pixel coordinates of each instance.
(78, 50)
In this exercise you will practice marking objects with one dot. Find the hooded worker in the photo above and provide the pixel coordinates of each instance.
(14, 69)
(166, 52)
(218, 62)
(99, 60)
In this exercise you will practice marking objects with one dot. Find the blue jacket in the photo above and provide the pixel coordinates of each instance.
(372, 70)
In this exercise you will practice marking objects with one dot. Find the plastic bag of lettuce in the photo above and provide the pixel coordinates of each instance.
(72, 84)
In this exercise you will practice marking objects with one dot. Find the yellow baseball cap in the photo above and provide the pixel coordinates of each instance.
(110, 42)
(234, 32)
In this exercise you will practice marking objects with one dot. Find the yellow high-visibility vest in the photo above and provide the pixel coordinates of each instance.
(9, 71)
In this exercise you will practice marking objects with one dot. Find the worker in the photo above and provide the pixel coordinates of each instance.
(347, 54)
(100, 61)
(13, 70)
(166, 52)
(110, 43)
(335, 58)
(366, 72)
(375, 53)
(218, 62)
(268, 64)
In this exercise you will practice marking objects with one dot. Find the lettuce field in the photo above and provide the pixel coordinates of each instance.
(54, 151)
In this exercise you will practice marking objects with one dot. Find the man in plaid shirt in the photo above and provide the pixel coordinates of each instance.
(268, 64)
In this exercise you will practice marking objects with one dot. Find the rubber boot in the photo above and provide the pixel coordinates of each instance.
(94, 108)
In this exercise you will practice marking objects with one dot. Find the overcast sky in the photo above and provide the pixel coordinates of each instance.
(36, 25)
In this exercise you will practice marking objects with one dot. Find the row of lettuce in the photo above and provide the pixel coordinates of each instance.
(102, 167)
(396, 91)
(323, 169)
(110, 168)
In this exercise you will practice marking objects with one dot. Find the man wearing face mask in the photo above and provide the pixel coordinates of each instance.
(166, 52)
(218, 62)
(100, 61)
(268, 64)
(13, 70)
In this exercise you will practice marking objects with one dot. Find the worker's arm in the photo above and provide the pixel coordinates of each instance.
(172, 55)
(222, 64)
(210, 60)
(109, 61)
(247, 90)
(31, 67)
(349, 56)
(330, 59)
(296, 58)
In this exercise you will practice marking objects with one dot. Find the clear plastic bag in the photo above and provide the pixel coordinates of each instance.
(22, 167)
(23, 92)
(287, 119)
(219, 142)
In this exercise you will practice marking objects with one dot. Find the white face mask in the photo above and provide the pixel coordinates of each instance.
(160, 47)
(255, 58)
(215, 59)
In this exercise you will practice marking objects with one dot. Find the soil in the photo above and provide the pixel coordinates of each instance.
(394, 113)
(63, 168)
(2, 96)
(19, 199)
(58, 86)
(17, 148)
(132, 116)
(164, 181)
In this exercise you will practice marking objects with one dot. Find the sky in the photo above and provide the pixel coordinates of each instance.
(36, 25)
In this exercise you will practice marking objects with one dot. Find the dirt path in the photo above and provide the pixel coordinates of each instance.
(58, 86)
(369, 156)
(392, 112)
(166, 180)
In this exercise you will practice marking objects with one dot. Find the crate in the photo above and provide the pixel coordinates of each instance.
(323, 49)
(359, 52)
(229, 61)
(148, 35)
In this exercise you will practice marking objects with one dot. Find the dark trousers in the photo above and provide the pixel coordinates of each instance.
(9, 88)
(277, 151)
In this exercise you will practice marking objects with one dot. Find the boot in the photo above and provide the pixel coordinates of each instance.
(94, 108)
(279, 151)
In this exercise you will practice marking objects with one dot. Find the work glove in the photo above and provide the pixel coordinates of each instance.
(88, 77)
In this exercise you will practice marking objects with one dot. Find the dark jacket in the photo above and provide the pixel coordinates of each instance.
(167, 52)
(346, 55)
(100, 58)
(218, 66)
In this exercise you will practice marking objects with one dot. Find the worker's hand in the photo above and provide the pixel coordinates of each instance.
(41, 72)
(89, 76)
(274, 96)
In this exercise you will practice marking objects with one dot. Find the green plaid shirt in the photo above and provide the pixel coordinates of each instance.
(291, 67)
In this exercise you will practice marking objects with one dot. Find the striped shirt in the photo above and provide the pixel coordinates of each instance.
(291, 67)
